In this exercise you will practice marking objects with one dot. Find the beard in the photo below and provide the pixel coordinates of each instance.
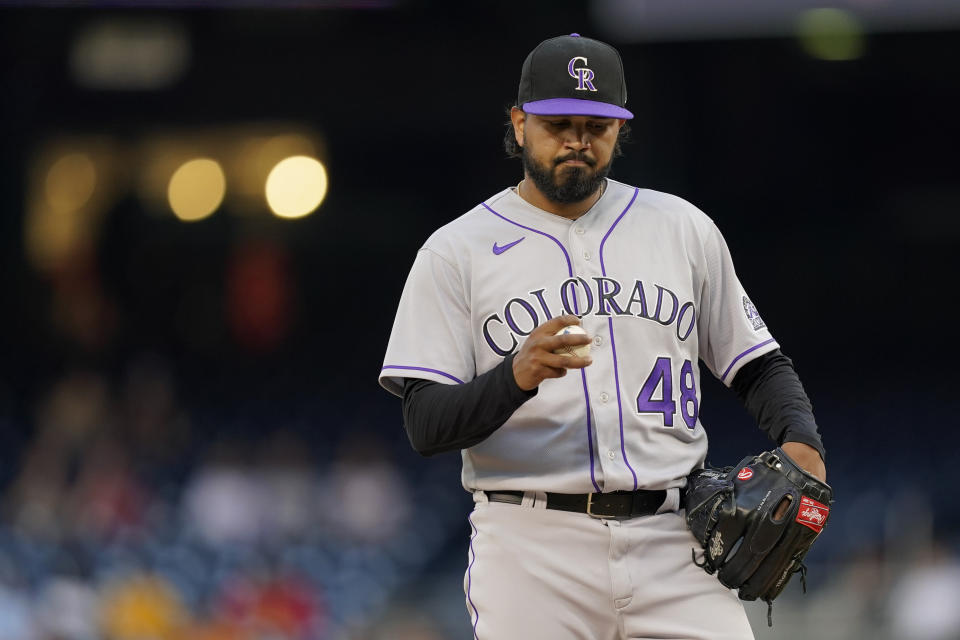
(568, 184)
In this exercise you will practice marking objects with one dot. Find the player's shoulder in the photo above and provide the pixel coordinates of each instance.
(669, 206)
(662, 201)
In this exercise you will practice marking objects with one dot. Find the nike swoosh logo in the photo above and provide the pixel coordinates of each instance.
(498, 250)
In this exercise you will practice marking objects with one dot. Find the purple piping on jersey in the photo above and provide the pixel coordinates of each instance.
(476, 614)
(586, 396)
(543, 233)
(613, 342)
(723, 378)
(576, 309)
(447, 375)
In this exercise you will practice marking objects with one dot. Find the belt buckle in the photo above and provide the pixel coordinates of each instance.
(590, 508)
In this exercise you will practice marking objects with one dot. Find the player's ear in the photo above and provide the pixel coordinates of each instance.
(519, 118)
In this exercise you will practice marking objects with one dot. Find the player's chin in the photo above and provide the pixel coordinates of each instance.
(584, 167)
(573, 173)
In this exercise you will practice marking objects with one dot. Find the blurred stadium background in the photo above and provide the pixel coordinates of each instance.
(208, 211)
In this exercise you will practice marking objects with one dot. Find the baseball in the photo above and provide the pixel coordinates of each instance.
(579, 350)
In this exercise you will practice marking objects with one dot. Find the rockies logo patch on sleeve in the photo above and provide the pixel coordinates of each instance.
(752, 315)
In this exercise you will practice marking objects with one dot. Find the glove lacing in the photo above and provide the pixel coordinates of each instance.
(802, 570)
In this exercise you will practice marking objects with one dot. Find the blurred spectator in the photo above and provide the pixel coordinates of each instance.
(77, 408)
(35, 501)
(142, 607)
(924, 603)
(107, 499)
(367, 498)
(223, 500)
(282, 607)
(66, 609)
(289, 479)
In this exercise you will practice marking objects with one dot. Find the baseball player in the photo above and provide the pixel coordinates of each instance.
(576, 462)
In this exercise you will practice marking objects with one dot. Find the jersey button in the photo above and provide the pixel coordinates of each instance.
(611, 454)
(579, 230)
(598, 340)
(586, 255)
(604, 396)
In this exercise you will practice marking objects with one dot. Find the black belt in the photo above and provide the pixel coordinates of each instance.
(616, 504)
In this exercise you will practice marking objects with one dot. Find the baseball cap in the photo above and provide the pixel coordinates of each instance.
(574, 76)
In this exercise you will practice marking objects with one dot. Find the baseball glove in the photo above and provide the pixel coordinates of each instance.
(756, 521)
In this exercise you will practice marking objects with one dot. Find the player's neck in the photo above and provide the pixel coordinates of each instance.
(529, 192)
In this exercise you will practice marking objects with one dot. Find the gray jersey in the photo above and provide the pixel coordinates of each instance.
(653, 282)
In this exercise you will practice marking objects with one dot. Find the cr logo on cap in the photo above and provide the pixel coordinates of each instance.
(583, 75)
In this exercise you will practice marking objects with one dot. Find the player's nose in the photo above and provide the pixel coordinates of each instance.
(578, 139)
(576, 136)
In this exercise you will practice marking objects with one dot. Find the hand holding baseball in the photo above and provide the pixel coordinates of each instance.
(549, 351)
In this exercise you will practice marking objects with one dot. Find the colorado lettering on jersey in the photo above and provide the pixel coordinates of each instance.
(601, 296)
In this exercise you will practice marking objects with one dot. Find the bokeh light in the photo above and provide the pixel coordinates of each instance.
(70, 182)
(196, 189)
(831, 34)
(254, 152)
(296, 186)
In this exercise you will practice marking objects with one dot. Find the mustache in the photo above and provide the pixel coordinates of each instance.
(575, 156)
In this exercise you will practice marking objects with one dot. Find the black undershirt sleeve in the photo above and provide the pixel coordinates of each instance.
(446, 417)
(771, 391)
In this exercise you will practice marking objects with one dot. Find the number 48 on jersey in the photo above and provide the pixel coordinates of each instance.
(661, 377)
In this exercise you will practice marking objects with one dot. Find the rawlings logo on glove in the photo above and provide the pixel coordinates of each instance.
(756, 521)
(813, 514)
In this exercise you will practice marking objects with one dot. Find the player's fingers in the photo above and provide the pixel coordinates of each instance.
(558, 361)
(553, 343)
(553, 325)
(782, 508)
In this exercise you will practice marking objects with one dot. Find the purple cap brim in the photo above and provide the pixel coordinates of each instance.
(574, 107)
